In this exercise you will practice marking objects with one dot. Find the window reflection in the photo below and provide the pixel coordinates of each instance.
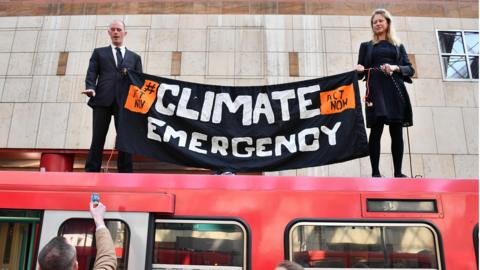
(13, 244)
(451, 42)
(19, 229)
(198, 244)
(362, 246)
(473, 62)
(455, 67)
(81, 234)
(471, 40)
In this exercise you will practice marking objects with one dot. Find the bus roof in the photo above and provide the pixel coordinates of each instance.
(156, 192)
(161, 182)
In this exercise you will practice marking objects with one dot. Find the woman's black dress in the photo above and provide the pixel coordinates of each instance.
(391, 103)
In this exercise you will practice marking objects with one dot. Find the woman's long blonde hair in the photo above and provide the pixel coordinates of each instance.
(390, 36)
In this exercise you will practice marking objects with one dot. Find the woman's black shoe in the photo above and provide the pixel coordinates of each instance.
(376, 175)
(400, 176)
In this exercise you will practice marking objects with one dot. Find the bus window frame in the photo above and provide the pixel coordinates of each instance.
(366, 222)
(196, 219)
(127, 246)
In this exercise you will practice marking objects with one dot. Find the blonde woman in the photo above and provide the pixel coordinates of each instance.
(384, 63)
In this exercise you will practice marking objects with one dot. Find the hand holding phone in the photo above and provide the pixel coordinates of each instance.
(95, 198)
(97, 210)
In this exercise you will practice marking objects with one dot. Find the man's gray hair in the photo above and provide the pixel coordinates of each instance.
(290, 265)
(57, 255)
(120, 21)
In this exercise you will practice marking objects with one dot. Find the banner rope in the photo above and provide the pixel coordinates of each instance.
(367, 94)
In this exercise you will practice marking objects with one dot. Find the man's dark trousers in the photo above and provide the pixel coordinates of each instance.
(101, 121)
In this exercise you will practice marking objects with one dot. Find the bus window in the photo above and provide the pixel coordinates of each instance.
(80, 233)
(19, 234)
(188, 244)
(364, 245)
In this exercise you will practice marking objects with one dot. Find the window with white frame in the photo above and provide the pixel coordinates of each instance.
(184, 244)
(381, 245)
(458, 54)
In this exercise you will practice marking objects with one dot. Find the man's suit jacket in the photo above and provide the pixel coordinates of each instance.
(106, 258)
(105, 78)
(406, 69)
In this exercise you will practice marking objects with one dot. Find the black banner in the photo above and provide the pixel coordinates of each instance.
(255, 128)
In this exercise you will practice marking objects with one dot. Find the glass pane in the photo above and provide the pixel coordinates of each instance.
(321, 246)
(471, 40)
(198, 244)
(455, 67)
(473, 61)
(451, 42)
(14, 244)
(389, 205)
(81, 234)
(19, 229)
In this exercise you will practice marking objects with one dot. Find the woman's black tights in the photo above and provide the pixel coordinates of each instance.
(396, 134)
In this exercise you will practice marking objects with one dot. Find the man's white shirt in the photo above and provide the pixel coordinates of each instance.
(114, 51)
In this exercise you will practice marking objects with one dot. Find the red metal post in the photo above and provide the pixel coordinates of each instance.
(55, 162)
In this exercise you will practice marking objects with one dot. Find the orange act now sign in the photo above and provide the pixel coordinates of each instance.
(337, 100)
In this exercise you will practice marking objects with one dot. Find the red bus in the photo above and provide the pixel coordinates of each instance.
(174, 221)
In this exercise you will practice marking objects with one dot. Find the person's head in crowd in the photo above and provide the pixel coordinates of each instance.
(288, 265)
(117, 32)
(382, 24)
(58, 254)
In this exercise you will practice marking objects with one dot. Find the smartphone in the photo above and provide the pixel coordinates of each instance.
(95, 198)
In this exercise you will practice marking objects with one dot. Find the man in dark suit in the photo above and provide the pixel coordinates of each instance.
(106, 78)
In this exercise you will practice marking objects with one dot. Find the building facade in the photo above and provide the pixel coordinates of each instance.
(45, 47)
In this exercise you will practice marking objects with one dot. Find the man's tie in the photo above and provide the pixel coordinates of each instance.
(119, 57)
